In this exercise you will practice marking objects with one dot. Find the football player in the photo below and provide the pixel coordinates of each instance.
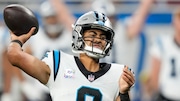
(165, 55)
(81, 78)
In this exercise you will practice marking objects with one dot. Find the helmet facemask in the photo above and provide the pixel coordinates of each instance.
(79, 44)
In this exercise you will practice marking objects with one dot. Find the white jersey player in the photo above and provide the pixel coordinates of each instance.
(168, 51)
(80, 78)
(165, 53)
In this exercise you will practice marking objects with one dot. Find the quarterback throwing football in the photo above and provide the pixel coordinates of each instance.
(78, 78)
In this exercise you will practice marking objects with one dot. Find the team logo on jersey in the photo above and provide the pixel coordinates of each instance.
(69, 73)
(91, 77)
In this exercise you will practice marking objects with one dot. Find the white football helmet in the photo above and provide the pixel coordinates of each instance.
(92, 20)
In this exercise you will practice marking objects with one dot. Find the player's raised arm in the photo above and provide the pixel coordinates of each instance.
(138, 19)
(28, 63)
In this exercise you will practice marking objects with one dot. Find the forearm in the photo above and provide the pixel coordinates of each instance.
(154, 73)
(28, 63)
(144, 8)
(138, 18)
(22, 60)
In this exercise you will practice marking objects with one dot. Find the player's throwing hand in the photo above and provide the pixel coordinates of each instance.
(23, 38)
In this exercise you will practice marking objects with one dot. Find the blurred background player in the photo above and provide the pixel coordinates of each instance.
(127, 44)
(165, 63)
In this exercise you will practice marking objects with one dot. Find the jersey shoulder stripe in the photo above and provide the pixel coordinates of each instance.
(56, 60)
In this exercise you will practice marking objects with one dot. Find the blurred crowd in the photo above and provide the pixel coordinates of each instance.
(147, 39)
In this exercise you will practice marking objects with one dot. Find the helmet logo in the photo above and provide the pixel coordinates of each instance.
(100, 17)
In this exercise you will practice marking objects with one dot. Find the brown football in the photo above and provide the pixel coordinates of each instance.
(20, 19)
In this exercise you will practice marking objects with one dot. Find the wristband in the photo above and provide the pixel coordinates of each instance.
(17, 41)
(124, 97)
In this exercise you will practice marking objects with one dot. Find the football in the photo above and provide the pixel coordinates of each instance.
(20, 19)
